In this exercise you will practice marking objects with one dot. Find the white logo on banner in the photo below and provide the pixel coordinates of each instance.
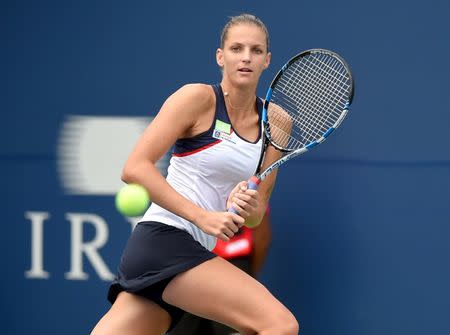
(92, 151)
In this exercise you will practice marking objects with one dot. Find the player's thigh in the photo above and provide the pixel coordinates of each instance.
(133, 315)
(220, 291)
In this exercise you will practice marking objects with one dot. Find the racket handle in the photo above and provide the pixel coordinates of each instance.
(252, 184)
(232, 210)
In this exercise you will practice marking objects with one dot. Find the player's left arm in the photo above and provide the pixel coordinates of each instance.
(252, 204)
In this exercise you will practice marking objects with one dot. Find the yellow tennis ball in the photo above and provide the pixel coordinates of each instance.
(132, 200)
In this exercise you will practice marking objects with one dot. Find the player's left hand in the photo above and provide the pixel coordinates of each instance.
(244, 200)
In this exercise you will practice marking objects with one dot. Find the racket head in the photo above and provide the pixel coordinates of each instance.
(308, 98)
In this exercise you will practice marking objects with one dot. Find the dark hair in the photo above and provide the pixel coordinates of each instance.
(243, 19)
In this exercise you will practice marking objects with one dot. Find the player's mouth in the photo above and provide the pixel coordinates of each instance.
(245, 69)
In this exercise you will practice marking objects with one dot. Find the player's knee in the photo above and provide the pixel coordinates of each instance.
(287, 324)
(282, 323)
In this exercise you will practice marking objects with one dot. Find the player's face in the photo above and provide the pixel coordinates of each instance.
(244, 55)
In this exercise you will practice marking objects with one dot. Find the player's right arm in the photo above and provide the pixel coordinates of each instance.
(185, 113)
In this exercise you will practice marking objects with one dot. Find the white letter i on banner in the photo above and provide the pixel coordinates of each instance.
(37, 245)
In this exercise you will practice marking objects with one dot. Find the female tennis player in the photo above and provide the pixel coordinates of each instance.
(167, 266)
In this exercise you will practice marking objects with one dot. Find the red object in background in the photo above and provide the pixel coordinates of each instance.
(240, 245)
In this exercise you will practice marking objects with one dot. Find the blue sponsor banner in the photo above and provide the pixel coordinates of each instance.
(360, 224)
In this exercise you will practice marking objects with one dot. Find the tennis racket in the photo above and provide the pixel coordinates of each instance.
(306, 101)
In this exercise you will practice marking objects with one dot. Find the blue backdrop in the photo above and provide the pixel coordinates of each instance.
(361, 237)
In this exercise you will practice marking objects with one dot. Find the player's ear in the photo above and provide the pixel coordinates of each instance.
(268, 58)
(219, 57)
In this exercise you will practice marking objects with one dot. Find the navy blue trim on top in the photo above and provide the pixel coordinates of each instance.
(186, 146)
(259, 106)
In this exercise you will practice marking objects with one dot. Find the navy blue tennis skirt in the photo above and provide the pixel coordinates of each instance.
(155, 253)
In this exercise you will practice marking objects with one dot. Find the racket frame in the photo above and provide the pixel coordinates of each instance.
(291, 153)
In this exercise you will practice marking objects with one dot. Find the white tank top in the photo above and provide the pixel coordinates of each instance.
(206, 167)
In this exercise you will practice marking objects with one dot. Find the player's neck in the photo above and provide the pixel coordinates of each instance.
(239, 101)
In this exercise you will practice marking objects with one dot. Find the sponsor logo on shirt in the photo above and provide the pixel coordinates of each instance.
(222, 131)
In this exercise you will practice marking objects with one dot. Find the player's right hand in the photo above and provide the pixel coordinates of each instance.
(222, 225)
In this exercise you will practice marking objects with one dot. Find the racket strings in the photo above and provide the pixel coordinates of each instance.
(337, 85)
(298, 79)
(312, 93)
(320, 97)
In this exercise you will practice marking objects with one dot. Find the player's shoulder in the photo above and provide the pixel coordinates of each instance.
(191, 101)
(201, 94)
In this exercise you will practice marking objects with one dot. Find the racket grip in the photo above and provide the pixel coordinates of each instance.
(252, 184)
(232, 210)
